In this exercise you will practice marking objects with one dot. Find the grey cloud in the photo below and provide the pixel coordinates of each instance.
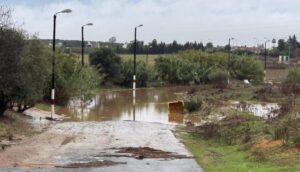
(166, 20)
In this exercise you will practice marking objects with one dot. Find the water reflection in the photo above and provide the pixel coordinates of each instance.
(176, 118)
(151, 106)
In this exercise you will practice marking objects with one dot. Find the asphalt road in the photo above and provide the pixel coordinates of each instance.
(83, 142)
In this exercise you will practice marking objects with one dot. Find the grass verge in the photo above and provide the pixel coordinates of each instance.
(216, 157)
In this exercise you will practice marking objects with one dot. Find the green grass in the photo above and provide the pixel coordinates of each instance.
(214, 157)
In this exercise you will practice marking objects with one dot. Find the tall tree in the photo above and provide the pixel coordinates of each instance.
(154, 47)
(281, 45)
(108, 63)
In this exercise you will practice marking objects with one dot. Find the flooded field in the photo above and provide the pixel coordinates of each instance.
(151, 106)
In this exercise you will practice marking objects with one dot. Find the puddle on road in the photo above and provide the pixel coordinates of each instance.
(90, 164)
(151, 106)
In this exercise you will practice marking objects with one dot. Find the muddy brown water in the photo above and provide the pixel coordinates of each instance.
(151, 106)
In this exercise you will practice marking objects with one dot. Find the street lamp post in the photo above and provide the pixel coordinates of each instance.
(82, 42)
(228, 63)
(134, 69)
(53, 60)
(134, 66)
(265, 55)
(265, 66)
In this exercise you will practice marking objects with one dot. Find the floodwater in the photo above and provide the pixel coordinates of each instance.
(151, 106)
(264, 110)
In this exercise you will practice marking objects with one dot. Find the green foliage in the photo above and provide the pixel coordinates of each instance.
(108, 63)
(247, 68)
(296, 138)
(215, 157)
(23, 71)
(192, 105)
(293, 77)
(219, 78)
(34, 76)
(195, 67)
(73, 80)
(292, 82)
(142, 73)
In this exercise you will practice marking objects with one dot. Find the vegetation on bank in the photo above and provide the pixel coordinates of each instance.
(239, 141)
(186, 67)
(26, 66)
(216, 157)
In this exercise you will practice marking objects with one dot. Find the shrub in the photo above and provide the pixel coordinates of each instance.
(195, 66)
(281, 132)
(24, 70)
(293, 77)
(108, 63)
(258, 155)
(142, 73)
(192, 105)
(219, 78)
(73, 80)
(296, 141)
(292, 82)
(247, 68)
(209, 130)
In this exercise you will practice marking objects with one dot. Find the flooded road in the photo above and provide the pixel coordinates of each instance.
(151, 106)
(106, 135)
(83, 143)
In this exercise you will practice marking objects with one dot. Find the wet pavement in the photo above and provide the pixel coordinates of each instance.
(94, 133)
(80, 142)
(151, 106)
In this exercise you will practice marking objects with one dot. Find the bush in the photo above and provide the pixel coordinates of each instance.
(247, 68)
(296, 140)
(142, 74)
(195, 67)
(258, 155)
(292, 82)
(293, 77)
(193, 104)
(108, 63)
(209, 130)
(73, 80)
(24, 70)
(219, 78)
(281, 132)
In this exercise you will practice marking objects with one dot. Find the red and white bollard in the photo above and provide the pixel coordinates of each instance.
(52, 102)
(134, 86)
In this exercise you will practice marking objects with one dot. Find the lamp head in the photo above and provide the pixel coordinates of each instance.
(66, 11)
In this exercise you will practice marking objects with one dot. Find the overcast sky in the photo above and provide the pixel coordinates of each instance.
(248, 21)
